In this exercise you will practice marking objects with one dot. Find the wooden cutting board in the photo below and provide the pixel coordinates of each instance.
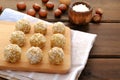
(6, 28)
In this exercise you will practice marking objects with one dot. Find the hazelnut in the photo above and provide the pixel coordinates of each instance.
(96, 18)
(36, 7)
(67, 2)
(0, 8)
(57, 13)
(99, 11)
(21, 6)
(50, 5)
(42, 13)
(62, 7)
(44, 1)
(31, 12)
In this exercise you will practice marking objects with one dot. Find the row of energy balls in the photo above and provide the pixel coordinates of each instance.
(34, 54)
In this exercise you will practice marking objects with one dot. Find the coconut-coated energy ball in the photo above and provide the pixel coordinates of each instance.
(40, 27)
(58, 40)
(23, 25)
(58, 27)
(17, 37)
(56, 55)
(38, 40)
(34, 55)
(12, 53)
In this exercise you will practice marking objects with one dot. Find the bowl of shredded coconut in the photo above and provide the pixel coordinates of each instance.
(80, 13)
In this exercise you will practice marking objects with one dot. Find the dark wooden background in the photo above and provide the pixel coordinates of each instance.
(104, 59)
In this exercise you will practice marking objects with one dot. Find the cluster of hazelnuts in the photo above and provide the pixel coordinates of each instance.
(42, 12)
(98, 15)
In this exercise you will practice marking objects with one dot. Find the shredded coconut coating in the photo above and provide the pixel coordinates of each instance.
(23, 25)
(34, 55)
(58, 40)
(12, 53)
(56, 55)
(18, 37)
(40, 27)
(58, 27)
(38, 40)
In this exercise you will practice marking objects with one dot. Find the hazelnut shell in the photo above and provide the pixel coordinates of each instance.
(21, 6)
(57, 13)
(31, 12)
(0, 8)
(36, 7)
(99, 11)
(43, 13)
(96, 18)
(49, 5)
(45, 1)
(62, 7)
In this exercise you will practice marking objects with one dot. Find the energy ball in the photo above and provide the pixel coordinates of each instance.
(58, 27)
(34, 55)
(56, 55)
(18, 37)
(40, 27)
(23, 25)
(58, 40)
(12, 53)
(38, 40)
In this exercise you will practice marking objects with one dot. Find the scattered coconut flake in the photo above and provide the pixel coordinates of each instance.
(80, 8)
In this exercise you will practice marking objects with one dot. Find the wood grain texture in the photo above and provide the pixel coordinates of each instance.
(107, 43)
(6, 28)
(104, 59)
(110, 8)
(101, 69)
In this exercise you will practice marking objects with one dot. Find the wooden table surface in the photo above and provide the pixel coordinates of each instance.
(104, 59)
